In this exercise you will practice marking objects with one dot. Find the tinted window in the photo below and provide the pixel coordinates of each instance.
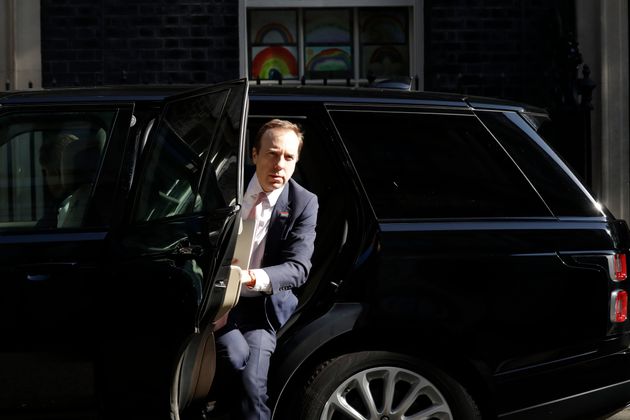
(48, 167)
(543, 167)
(424, 165)
(183, 146)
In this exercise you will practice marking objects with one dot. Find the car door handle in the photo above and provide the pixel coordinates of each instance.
(44, 271)
(184, 247)
(37, 277)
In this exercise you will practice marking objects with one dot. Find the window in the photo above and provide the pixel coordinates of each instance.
(563, 195)
(432, 165)
(196, 136)
(332, 43)
(48, 167)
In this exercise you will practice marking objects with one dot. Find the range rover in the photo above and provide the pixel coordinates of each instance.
(461, 269)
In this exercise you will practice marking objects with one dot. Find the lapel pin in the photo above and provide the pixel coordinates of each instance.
(283, 214)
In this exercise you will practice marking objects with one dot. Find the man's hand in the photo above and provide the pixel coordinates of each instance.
(246, 276)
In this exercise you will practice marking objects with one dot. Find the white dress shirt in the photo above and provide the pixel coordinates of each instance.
(263, 217)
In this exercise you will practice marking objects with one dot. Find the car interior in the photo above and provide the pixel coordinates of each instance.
(23, 194)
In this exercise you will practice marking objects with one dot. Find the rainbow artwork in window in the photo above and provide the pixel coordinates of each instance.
(385, 61)
(329, 26)
(328, 61)
(273, 33)
(380, 27)
(274, 62)
(274, 44)
(384, 43)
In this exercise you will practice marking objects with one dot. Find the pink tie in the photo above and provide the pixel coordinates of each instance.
(252, 212)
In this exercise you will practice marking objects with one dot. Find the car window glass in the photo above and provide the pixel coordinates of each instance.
(562, 194)
(48, 167)
(423, 165)
(171, 183)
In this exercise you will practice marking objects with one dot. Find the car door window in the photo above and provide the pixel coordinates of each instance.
(183, 148)
(434, 165)
(49, 162)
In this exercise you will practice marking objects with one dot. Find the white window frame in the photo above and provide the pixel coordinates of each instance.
(416, 26)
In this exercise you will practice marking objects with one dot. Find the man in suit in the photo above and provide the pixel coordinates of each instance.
(285, 217)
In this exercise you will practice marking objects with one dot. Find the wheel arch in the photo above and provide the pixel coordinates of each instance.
(345, 329)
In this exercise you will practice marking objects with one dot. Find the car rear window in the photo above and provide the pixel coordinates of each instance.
(560, 189)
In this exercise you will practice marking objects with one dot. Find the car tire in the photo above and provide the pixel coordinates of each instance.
(378, 385)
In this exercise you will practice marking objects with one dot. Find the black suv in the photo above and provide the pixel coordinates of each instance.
(461, 270)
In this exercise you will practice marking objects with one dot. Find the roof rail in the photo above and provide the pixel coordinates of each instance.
(401, 83)
(396, 82)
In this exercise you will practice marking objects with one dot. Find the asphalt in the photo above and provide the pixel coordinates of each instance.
(622, 415)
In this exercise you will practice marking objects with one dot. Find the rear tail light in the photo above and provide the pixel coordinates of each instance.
(620, 267)
(619, 306)
(617, 267)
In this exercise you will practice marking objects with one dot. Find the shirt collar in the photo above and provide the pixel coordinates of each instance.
(254, 188)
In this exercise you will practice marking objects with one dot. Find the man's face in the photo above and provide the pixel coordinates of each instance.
(52, 176)
(276, 159)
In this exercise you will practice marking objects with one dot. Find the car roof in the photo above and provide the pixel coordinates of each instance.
(275, 92)
(133, 93)
(382, 95)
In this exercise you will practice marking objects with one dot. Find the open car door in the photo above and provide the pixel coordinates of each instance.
(174, 253)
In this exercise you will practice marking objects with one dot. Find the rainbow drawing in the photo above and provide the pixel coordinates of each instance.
(327, 59)
(327, 26)
(274, 61)
(386, 54)
(382, 28)
(273, 33)
(386, 61)
(327, 34)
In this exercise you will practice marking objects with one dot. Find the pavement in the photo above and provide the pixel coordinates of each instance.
(622, 415)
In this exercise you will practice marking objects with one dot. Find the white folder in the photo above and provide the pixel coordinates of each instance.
(242, 255)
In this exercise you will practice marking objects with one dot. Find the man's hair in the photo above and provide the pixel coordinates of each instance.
(284, 124)
(50, 152)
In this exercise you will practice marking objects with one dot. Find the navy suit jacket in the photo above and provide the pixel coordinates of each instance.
(288, 250)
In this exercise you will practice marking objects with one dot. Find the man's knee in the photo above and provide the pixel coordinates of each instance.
(232, 349)
(239, 355)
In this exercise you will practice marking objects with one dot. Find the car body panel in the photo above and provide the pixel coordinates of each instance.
(508, 298)
(92, 303)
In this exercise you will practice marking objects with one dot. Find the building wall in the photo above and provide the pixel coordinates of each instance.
(20, 54)
(503, 48)
(603, 34)
(94, 42)
(500, 48)
(6, 61)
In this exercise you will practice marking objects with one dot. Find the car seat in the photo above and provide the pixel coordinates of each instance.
(79, 164)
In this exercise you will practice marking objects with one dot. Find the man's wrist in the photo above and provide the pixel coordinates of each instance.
(252, 282)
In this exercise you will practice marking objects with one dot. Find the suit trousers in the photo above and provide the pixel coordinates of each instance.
(244, 348)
